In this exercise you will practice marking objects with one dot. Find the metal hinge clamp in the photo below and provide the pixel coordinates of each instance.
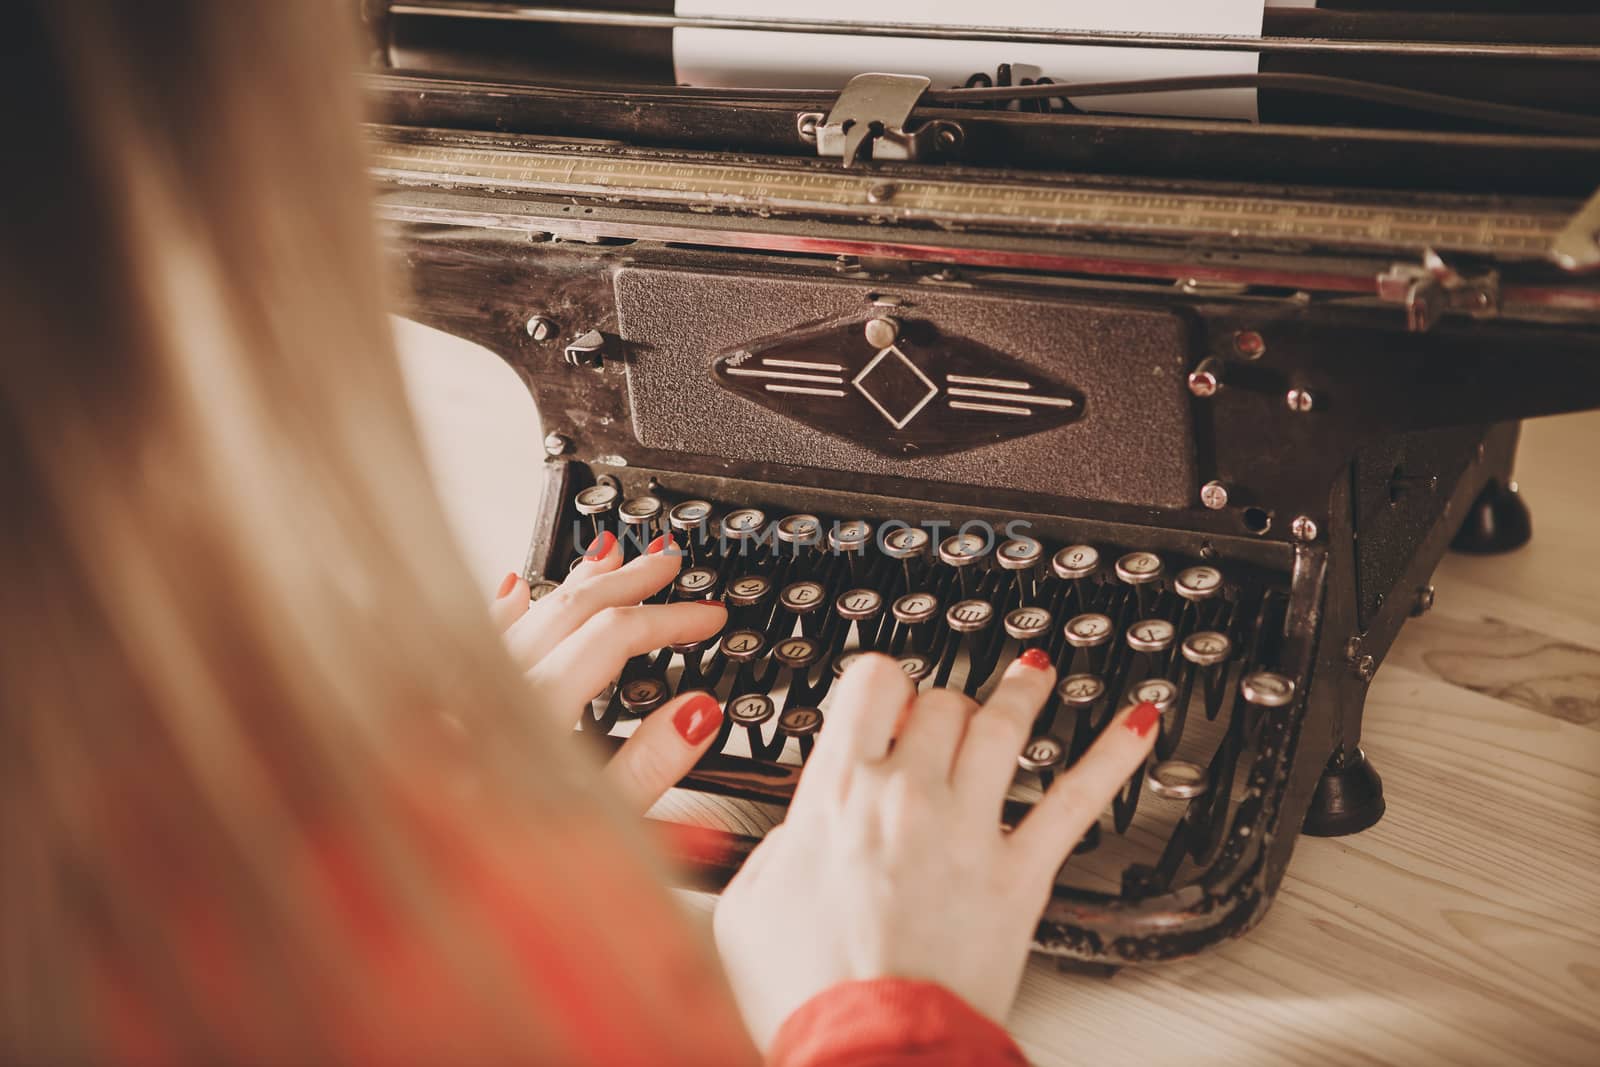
(869, 120)
(1429, 290)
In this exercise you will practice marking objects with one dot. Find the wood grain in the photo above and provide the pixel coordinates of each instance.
(1463, 929)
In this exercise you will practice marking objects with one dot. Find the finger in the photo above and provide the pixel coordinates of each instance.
(987, 762)
(603, 556)
(1076, 799)
(510, 603)
(583, 664)
(868, 703)
(664, 749)
(932, 733)
(558, 615)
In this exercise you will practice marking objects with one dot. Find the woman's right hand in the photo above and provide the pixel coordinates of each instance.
(892, 861)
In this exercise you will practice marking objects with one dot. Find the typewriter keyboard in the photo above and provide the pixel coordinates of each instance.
(953, 604)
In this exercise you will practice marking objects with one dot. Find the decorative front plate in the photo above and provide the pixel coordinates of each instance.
(922, 394)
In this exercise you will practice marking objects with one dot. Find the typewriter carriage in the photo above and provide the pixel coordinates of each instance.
(1352, 435)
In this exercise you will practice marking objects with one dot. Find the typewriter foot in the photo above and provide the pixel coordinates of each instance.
(1348, 799)
(1498, 521)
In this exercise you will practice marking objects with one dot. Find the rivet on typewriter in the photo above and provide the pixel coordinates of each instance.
(1304, 528)
(1300, 401)
(1214, 495)
(1249, 344)
(542, 327)
(1206, 379)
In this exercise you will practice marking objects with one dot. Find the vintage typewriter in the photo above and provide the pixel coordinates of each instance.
(951, 371)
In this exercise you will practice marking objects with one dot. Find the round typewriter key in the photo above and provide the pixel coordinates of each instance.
(1137, 568)
(1178, 779)
(850, 536)
(537, 591)
(1019, 554)
(1267, 688)
(1041, 754)
(1150, 635)
(751, 589)
(1198, 583)
(596, 500)
(802, 530)
(802, 597)
(1075, 561)
(905, 542)
(914, 609)
(1157, 691)
(1080, 690)
(859, 604)
(969, 616)
(752, 709)
(797, 653)
(962, 550)
(640, 510)
(743, 524)
(695, 583)
(1027, 624)
(801, 722)
(689, 648)
(1087, 631)
(841, 663)
(742, 646)
(1207, 648)
(643, 695)
(916, 666)
(689, 516)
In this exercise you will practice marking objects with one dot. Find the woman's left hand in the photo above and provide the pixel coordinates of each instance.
(575, 641)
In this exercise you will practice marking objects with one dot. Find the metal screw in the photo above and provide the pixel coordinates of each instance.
(1301, 401)
(1206, 379)
(881, 193)
(1249, 344)
(1424, 602)
(1366, 667)
(807, 126)
(1304, 528)
(1214, 495)
(881, 333)
(556, 445)
(542, 328)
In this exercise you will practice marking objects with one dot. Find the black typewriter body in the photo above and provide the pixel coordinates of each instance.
(1211, 465)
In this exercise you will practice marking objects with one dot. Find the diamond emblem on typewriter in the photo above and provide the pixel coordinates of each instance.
(895, 386)
(928, 391)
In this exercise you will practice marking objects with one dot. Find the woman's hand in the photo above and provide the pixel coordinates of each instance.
(573, 642)
(892, 862)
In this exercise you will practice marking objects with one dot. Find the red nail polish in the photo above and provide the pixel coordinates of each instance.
(713, 604)
(506, 586)
(1037, 658)
(601, 546)
(1143, 718)
(698, 719)
(660, 544)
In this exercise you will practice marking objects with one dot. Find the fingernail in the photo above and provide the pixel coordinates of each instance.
(601, 546)
(1037, 658)
(660, 544)
(698, 719)
(713, 604)
(507, 585)
(1143, 718)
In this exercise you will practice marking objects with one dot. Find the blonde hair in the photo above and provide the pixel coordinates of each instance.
(236, 627)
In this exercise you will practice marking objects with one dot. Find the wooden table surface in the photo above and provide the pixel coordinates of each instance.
(1464, 928)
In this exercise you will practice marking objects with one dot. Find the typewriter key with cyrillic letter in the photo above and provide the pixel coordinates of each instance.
(859, 604)
(969, 616)
(1150, 635)
(1140, 570)
(800, 531)
(742, 646)
(916, 666)
(749, 590)
(752, 709)
(1080, 690)
(802, 598)
(642, 513)
(596, 502)
(962, 551)
(802, 724)
(1027, 624)
(696, 583)
(1198, 583)
(796, 653)
(1207, 648)
(1267, 688)
(905, 544)
(643, 695)
(1157, 691)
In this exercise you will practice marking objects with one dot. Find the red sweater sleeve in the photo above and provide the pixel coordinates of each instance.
(889, 1021)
